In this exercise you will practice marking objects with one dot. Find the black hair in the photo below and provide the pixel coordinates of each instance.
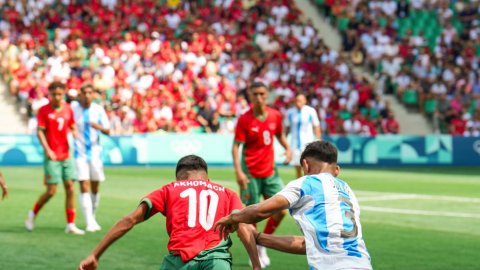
(56, 84)
(190, 163)
(258, 85)
(300, 93)
(321, 151)
(87, 85)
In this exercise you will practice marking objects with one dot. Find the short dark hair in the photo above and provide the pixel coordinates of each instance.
(300, 93)
(190, 163)
(321, 151)
(56, 84)
(87, 85)
(258, 85)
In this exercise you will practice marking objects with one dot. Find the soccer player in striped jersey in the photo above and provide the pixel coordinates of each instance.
(90, 120)
(303, 126)
(191, 205)
(325, 209)
(55, 120)
(256, 173)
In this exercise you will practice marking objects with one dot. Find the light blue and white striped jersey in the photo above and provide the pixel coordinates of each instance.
(87, 145)
(327, 212)
(301, 123)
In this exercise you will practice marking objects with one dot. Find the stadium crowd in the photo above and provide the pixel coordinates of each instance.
(183, 66)
(425, 52)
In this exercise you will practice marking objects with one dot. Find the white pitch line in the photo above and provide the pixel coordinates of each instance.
(386, 196)
(419, 212)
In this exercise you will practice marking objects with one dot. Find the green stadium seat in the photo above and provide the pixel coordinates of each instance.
(342, 23)
(344, 115)
(410, 97)
(430, 106)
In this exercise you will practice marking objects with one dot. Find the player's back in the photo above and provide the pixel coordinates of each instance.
(329, 215)
(192, 207)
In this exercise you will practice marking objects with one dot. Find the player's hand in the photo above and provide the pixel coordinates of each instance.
(225, 226)
(242, 180)
(89, 263)
(288, 156)
(51, 155)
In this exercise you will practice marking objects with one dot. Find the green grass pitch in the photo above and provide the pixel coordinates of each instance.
(421, 218)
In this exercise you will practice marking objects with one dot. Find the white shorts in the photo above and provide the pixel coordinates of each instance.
(88, 170)
(296, 154)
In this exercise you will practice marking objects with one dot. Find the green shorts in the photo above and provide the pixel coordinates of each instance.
(217, 258)
(258, 187)
(58, 171)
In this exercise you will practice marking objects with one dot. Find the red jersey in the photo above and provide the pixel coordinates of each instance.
(258, 138)
(57, 124)
(192, 207)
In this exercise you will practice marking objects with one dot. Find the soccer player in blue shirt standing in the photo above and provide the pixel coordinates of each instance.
(324, 207)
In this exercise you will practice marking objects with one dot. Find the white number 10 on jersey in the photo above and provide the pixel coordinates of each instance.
(207, 210)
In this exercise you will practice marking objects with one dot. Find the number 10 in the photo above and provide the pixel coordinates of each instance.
(207, 211)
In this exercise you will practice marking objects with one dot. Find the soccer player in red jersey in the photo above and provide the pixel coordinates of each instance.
(191, 204)
(55, 120)
(256, 172)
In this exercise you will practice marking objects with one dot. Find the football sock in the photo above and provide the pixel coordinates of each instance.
(71, 213)
(95, 201)
(86, 205)
(271, 226)
(36, 208)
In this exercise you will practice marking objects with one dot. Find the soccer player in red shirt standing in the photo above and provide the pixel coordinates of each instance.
(256, 172)
(191, 204)
(55, 120)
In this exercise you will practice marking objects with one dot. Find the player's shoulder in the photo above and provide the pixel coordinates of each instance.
(46, 107)
(246, 114)
(274, 112)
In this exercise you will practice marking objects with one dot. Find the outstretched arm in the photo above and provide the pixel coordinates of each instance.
(251, 214)
(282, 139)
(288, 243)
(116, 232)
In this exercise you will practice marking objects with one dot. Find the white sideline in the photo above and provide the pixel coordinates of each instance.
(418, 212)
(387, 196)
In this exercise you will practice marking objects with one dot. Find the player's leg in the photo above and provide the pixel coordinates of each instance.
(216, 264)
(296, 162)
(271, 186)
(83, 176)
(97, 176)
(52, 176)
(69, 175)
(171, 261)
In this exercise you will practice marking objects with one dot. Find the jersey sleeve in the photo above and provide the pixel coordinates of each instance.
(292, 192)
(42, 118)
(235, 202)
(155, 202)
(240, 133)
(279, 125)
(104, 122)
(314, 116)
(71, 121)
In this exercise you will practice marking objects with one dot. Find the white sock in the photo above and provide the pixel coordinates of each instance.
(86, 205)
(31, 215)
(95, 201)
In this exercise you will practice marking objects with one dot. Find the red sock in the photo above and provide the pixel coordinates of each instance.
(36, 208)
(71, 215)
(271, 226)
